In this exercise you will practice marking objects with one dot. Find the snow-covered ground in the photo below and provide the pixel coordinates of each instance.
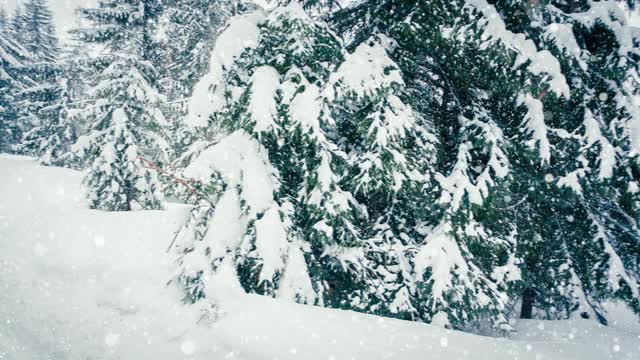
(82, 284)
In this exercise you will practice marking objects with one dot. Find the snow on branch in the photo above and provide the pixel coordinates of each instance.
(535, 126)
(541, 62)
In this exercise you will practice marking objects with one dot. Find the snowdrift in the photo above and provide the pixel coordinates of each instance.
(83, 284)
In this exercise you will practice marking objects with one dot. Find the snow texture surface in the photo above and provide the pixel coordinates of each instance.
(82, 284)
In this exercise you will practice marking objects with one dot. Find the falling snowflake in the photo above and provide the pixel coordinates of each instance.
(112, 339)
(39, 249)
(444, 342)
(188, 347)
(98, 241)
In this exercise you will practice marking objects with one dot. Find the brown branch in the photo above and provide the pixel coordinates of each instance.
(148, 164)
(188, 183)
(542, 94)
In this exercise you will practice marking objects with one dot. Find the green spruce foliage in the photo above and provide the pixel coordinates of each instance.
(523, 85)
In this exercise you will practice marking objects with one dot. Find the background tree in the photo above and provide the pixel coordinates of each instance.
(41, 102)
(124, 108)
(4, 20)
(40, 35)
(13, 59)
(17, 27)
(189, 29)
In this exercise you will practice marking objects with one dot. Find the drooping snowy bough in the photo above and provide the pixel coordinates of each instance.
(447, 158)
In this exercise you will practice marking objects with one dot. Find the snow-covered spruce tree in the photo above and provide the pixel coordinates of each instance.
(294, 232)
(185, 37)
(128, 130)
(4, 20)
(187, 30)
(118, 179)
(39, 31)
(79, 62)
(62, 86)
(17, 25)
(41, 103)
(589, 255)
(553, 140)
(18, 63)
(472, 79)
(228, 104)
(390, 152)
(57, 132)
(13, 58)
(187, 78)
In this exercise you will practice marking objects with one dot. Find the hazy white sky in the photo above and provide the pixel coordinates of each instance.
(62, 11)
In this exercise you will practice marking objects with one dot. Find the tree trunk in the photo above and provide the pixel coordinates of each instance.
(528, 298)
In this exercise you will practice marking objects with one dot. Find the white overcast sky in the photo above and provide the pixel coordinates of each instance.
(63, 11)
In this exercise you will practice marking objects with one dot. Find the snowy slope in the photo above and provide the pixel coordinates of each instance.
(83, 284)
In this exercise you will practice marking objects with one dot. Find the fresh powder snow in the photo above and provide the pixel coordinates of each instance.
(80, 283)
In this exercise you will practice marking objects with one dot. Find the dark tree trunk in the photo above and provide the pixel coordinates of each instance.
(528, 298)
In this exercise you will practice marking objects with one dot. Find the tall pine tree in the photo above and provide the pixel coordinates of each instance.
(128, 131)
(585, 256)
(390, 151)
(13, 61)
(40, 36)
(298, 234)
(4, 20)
(17, 25)
(561, 109)
(42, 104)
(187, 32)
